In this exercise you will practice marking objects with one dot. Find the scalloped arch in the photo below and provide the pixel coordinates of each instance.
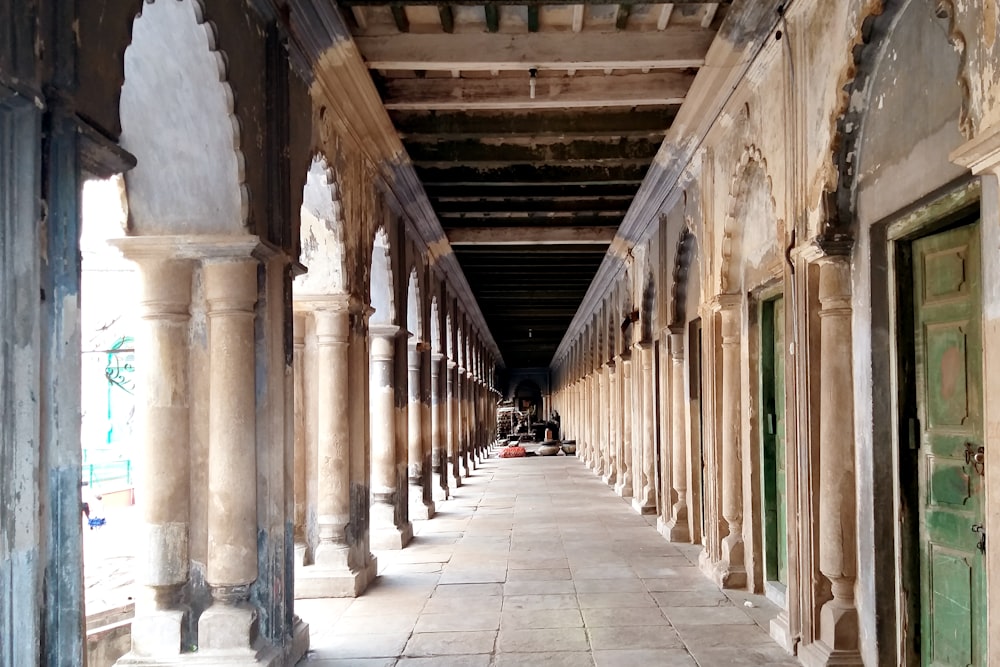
(739, 190)
(178, 118)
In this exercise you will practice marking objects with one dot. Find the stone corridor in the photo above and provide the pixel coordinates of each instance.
(535, 561)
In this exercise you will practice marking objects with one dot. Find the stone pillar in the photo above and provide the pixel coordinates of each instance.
(838, 641)
(439, 427)
(333, 571)
(230, 293)
(391, 528)
(596, 440)
(676, 529)
(299, 435)
(421, 506)
(645, 501)
(462, 391)
(164, 437)
(730, 572)
(623, 427)
(609, 382)
(454, 453)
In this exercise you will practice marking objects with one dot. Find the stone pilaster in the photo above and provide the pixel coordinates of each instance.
(597, 461)
(461, 395)
(164, 438)
(439, 427)
(231, 293)
(391, 528)
(676, 528)
(421, 504)
(335, 569)
(838, 641)
(730, 571)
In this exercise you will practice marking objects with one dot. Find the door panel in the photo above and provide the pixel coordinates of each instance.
(772, 388)
(948, 350)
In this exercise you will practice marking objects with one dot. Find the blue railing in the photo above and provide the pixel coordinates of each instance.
(108, 473)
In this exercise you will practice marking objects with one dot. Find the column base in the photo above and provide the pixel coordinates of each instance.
(818, 654)
(392, 537)
(674, 530)
(729, 575)
(316, 581)
(263, 656)
(228, 628)
(420, 510)
(780, 633)
(642, 506)
(158, 633)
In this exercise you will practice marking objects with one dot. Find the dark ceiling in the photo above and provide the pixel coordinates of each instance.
(531, 127)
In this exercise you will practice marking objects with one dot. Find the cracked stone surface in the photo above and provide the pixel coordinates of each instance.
(535, 561)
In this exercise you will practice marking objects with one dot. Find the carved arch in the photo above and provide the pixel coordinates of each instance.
(382, 293)
(687, 249)
(158, 151)
(732, 233)
(870, 38)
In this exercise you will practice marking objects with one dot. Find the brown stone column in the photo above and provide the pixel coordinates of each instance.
(596, 446)
(838, 620)
(333, 570)
(421, 506)
(645, 502)
(624, 403)
(391, 528)
(609, 383)
(676, 529)
(299, 435)
(454, 446)
(164, 437)
(231, 292)
(730, 572)
(462, 391)
(439, 427)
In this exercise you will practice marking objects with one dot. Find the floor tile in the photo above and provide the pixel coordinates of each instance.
(543, 640)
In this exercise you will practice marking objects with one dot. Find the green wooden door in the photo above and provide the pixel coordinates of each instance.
(772, 369)
(949, 396)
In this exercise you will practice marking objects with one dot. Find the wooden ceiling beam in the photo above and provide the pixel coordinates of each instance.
(528, 221)
(455, 125)
(447, 18)
(520, 174)
(530, 236)
(531, 190)
(492, 17)
(399, 17)
(475, 205)
(626, 90)
(470, 150)
(477, 3)
(677, 47)
(621, 16)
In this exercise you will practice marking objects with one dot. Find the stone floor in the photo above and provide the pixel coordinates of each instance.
(535, 562)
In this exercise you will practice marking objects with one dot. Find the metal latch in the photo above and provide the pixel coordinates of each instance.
(976, 457)
(981, 545)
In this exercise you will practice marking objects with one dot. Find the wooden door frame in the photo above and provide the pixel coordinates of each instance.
(956, 207)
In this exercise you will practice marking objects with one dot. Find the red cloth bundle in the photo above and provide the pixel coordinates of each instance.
(512, 452)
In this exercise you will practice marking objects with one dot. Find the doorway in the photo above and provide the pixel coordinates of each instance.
(943, 445)
(772, 442)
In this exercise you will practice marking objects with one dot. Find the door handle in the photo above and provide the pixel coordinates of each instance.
(976, 457)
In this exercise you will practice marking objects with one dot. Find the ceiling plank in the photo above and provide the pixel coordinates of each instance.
(578, 12)
(531, 220)
(469, 150)
(625, 90)
(532, 236)
(710, 12)
(677, 47)
(540, 123)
